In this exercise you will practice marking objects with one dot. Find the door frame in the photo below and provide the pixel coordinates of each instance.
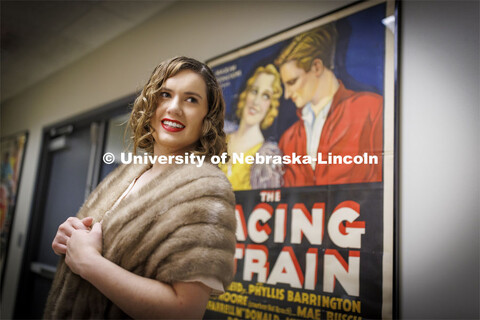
(37, 214)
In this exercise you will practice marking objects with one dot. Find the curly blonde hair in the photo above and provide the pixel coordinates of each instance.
(213, 138)
(318, 43)
(274, 100)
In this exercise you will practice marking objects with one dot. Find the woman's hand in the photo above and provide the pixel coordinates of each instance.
(82, 249)
(65, 230)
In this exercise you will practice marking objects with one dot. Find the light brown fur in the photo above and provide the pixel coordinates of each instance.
(178, 226)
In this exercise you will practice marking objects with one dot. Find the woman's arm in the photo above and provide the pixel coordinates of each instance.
(137, 296)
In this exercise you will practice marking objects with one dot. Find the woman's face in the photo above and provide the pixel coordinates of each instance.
(178, 119)
(257, 102)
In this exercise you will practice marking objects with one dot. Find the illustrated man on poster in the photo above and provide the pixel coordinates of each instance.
(333, 119)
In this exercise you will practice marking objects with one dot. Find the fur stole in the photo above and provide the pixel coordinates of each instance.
(179, 226)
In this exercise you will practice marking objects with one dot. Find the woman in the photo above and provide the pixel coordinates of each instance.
(257, 109)
(163, 236)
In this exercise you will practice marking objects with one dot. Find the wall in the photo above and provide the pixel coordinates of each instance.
(438, 114)
(439, 141)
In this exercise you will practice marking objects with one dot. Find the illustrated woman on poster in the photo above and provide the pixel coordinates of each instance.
(257, 109)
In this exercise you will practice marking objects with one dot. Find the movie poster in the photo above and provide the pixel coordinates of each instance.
(11, 150)
(311, 142)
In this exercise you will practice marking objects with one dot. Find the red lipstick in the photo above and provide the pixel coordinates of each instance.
(172, 125)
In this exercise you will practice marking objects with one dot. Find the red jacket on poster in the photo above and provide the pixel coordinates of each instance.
(354, 126)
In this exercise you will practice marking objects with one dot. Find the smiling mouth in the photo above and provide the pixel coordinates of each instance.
(172, 125)
(252, 111)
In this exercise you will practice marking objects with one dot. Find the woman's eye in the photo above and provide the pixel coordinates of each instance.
(192, 100)
(254, 91)
(164, 94)
(266, 96)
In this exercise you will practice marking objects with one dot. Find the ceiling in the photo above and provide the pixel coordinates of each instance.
(38, 38)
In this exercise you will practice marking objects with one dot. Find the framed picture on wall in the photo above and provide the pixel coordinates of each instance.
(12, 149)
(310, 124)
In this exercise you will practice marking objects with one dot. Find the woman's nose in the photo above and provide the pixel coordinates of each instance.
(174, 107)
(256, 100)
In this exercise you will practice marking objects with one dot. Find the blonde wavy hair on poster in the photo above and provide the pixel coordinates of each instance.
(272, 112)
(213, 138)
